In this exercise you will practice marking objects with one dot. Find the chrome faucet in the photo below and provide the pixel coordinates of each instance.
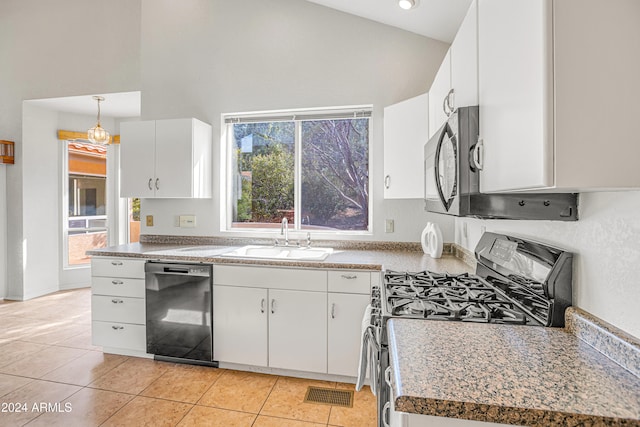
(284, 230)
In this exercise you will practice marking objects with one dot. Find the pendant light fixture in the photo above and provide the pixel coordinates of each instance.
(97, 134)
(407, 4)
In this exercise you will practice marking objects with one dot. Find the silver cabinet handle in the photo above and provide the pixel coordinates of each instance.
(273, 306)
(262, 305)
(333, 310)
(387, 181)
(117, 328)
(447, 104)
(117, 301)
(157, 183)
(116, 263)
(387, 376)
(117, 282)
(349, 276)
(149, 184)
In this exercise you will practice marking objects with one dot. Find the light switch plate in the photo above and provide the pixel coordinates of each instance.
(388, 226)
(187, 221)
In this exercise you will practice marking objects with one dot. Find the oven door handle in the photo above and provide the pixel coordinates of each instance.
(385, 414)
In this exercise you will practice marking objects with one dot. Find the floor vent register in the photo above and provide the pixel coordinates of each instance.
(329, 396)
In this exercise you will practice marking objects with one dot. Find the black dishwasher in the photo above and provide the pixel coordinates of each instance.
(179, 312)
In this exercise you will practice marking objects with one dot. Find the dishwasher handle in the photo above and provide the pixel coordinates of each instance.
(202, 270)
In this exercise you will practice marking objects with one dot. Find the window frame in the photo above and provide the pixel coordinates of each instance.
(297, 116)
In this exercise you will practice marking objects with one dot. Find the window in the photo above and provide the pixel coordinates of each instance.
(86, 219)
(311, 167)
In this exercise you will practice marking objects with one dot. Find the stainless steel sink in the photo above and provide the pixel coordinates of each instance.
(280, 252)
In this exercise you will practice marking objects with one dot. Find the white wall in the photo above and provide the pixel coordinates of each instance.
(42, 203)
(41, 217)
(606, 241)
(3, 230)
(66, 56)
(203, 58)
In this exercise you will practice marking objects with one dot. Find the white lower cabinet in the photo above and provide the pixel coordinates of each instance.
(240, 329)
(270, 327)
(284, 318)
(118, 305)
(298, 330)
(345, 332)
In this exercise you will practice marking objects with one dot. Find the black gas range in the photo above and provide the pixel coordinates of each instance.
(517, 282)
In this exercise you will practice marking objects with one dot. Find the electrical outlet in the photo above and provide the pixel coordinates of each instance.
(388, 226)
(149, 220)
(187, 221)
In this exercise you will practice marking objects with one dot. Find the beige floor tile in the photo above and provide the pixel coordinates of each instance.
(183, 383)
(204, 416)
(9, 383)
(18, 350)
(132, 376)
(363, 413)
(239, 391)
(87, 408)
(146, 411)
(35, 393)
(54, 333)
(42, 362)
(86, 368)
(264, 421)
(286, 401)
(82, 340)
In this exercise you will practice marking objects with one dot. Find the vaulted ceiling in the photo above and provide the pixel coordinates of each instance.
(438, 19)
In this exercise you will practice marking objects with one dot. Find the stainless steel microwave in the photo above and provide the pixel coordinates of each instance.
(452, 165)
(449, 171)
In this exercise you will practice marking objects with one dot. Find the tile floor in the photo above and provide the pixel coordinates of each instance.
(51, 375)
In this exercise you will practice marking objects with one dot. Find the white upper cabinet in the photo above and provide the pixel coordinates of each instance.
(456, 82)
(406, 130)
(438, 94)
(558, 91)
(464, 61)
(165, 158)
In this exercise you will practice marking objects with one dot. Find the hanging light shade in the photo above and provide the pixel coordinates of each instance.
(97, 134)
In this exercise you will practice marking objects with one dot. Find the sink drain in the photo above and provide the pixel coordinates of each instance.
(329, 396)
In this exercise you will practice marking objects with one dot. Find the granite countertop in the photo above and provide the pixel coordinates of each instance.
(512, 374)
(390, 256)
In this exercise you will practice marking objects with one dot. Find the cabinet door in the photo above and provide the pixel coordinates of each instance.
(464, 61)
(174, 158)
(406, 130)
(298, 330)
(515, 93)
(345, 332)
(137, 159)
(240, 325)
(439, 89)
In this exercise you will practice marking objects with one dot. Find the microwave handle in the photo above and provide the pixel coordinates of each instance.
(436, 168)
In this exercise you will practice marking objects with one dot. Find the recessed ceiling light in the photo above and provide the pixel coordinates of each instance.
(407, 4)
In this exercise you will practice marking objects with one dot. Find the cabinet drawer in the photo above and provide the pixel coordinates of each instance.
(119, 335)
(350, 282)
(118, 309)
(117, 267)
(272, 278)
(118, 286)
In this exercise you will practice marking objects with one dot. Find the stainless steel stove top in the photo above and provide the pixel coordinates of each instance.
(516, 282)
(463, 297)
